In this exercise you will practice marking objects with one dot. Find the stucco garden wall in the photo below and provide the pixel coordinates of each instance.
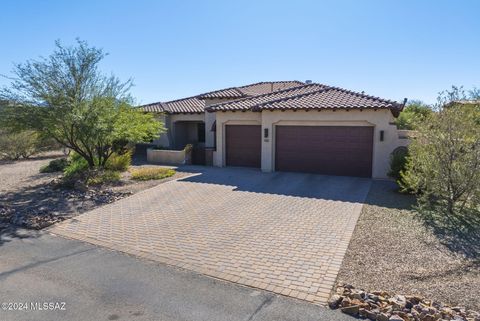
(380, 120)
(168, 157)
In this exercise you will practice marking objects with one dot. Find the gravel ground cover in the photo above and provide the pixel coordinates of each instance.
(393, 249)
(33, 200)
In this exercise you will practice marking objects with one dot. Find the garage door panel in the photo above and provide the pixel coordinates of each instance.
(243, 145)
(330, 150)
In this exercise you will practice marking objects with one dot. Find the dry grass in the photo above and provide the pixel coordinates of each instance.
(393, 249)
(149, 173)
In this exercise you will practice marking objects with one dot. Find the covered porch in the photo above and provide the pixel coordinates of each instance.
(190, 132)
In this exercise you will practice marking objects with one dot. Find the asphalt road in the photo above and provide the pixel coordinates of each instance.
(98, 284)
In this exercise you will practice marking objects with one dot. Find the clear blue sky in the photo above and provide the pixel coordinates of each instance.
(173, 49)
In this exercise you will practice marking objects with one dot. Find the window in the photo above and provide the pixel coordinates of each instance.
(201, 132)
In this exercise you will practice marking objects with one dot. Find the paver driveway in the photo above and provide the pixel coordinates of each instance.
(283, 232)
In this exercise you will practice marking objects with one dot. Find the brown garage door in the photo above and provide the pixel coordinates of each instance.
(244, 145)
(329, 150)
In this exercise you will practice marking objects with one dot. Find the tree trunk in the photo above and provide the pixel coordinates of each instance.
(450, 207)
(91, 162)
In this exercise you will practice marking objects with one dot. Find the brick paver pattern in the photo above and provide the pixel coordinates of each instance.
(282, 232)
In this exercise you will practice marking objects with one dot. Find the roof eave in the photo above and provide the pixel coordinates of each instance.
(184, 112)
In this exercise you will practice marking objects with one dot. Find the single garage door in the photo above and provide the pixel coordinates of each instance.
(243, 145)
(328, 150)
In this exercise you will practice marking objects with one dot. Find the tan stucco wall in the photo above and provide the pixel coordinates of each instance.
(167, 157)
(209, 120)
(186, 117)
(209, 134)
(379, 119)
(164, 139)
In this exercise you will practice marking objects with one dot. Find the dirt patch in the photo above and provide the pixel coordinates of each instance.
(34, 200)
(394, 250)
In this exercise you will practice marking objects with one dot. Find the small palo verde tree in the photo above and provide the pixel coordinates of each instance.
(66, 97)
(443, 165)
(413, 114)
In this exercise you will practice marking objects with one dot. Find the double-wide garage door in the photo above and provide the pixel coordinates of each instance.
(329, 150)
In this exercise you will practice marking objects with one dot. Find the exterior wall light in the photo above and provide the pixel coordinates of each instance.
(265, 133)
(382, 135)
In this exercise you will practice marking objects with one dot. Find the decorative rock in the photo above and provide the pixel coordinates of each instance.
(371, 314)
(335, 301)
(409, 305)
(428, 317)
(382, 317)
(382, 306)
(398, 302)
(357, 296)
(351, 310)
(362, 312)
(373, 297)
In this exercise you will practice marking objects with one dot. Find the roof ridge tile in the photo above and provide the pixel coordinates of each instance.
(272, 82)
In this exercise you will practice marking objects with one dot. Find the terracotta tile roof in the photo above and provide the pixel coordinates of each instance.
(233, 92)
(196, 104)
(190, 105)
(249, 103)
(153, 108)
(251, 90)
(313, 96)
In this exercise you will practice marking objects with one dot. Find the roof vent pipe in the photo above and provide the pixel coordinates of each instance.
(308, 82)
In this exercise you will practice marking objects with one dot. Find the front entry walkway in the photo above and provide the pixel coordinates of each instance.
(282, 232)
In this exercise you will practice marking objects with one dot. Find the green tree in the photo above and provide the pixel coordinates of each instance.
(443, 165)
(66, 97)
(414, 113)
(19, 144)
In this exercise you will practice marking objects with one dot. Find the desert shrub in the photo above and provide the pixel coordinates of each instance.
(119, 162)
(48, 144)
(443, 165)
(398, 162)
(56, 165)
(76, 165)
(14, 145)
(413, 114)
(103, 177)
(148, 173)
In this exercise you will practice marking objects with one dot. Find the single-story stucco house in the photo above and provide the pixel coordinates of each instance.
(285, 126)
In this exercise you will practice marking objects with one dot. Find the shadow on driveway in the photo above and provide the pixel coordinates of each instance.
(336, 188)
